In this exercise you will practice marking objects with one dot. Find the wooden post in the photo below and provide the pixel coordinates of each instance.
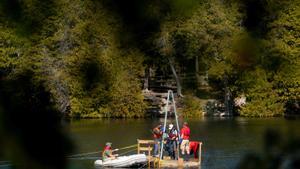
(138, 148)
(149, 150)
(200, 149)
(159, 162)
(149, 156)
(180, 163)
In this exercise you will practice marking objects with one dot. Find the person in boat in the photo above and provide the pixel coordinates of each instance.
(185, 135)
(172, 141)
(157, 134)
(108, 152)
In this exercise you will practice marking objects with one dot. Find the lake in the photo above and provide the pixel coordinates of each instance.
(225, 140)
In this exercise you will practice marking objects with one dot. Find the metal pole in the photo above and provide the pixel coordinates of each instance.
(164, 129)
(176, 117)
(177, 124)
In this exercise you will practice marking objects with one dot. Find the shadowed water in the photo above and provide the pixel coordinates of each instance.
(225, 141)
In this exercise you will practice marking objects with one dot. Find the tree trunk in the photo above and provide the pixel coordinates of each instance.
(171, 63)
(147, 76)
(197, 70)
(227, 100)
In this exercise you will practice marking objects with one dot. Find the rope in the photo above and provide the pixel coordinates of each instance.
(128, 151)
(96, 152)
(84, 154)
(131, 146)
(84, 158)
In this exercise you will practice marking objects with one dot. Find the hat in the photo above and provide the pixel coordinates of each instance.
(108, 144)
(171, 126)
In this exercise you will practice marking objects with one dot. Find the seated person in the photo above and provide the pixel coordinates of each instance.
(108, 152)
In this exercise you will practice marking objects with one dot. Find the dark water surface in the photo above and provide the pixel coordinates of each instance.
(225, 140)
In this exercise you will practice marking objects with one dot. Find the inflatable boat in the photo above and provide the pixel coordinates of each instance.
(123, 161)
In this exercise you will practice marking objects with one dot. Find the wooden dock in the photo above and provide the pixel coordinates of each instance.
(178, 164)
(146, 147)
(168, 163)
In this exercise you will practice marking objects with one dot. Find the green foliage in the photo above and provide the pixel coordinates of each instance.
(207, 33)
(263, 99)
(273, 90)
(192, 106)
(91, 54)
(73, 46)
(203, 35)
(266, 68)
(284, 48)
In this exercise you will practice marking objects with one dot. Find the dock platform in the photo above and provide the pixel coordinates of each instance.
(146, 147)
(176, 164)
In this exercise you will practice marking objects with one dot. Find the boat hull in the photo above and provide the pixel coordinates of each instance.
(123, 161)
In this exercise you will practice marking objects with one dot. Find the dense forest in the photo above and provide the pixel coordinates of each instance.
(92, 56)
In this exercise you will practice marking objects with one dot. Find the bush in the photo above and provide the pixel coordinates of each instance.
(192, 106)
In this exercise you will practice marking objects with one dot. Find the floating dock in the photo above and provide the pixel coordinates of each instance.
(168, 163)
(146, 147)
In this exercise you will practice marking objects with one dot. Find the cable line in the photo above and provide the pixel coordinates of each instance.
(96, 152)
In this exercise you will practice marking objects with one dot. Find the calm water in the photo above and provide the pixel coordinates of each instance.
(225, 141)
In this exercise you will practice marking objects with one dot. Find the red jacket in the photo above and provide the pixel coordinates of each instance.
(194, 148)
(107, 148)
(157, 133)
(185, 132)
(106, 152)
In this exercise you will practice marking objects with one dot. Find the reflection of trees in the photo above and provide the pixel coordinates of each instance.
(279, 153)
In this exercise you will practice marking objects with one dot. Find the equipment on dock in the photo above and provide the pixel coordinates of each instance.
(170, 99)
(146, 146)
(123, 161)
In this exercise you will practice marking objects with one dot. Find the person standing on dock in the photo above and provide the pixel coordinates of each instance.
(172, 141)
(157, 134)
(185, 136)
